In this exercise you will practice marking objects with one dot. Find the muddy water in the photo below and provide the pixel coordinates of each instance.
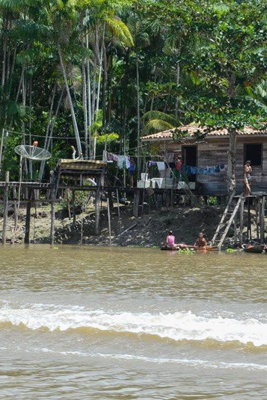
(99, 323)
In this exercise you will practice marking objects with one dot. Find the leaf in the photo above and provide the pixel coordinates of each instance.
(120, 30)
(157, 125)
(162, 116)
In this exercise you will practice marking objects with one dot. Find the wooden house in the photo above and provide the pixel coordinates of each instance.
(205, 150)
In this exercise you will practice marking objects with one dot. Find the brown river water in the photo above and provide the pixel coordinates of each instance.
(125, 323)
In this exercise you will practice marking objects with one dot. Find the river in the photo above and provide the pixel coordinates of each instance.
(127, 323)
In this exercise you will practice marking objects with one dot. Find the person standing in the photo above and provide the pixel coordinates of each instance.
(247, 177)
(131, 171)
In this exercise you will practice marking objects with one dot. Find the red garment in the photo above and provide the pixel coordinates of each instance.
(178, 165)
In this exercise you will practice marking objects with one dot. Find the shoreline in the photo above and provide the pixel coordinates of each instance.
(146, 231)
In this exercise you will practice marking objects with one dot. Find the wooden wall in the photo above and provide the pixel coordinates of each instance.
(214, 151)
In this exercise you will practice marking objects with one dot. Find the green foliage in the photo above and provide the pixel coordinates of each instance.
(202, 61)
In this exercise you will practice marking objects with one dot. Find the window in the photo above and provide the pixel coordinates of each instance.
(253, 152)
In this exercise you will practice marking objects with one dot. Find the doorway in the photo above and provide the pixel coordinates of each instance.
(190, 155)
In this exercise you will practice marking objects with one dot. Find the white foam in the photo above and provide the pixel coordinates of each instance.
(176, 326)
(156, 360)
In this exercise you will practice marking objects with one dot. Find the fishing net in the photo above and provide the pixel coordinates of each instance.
(32, 152)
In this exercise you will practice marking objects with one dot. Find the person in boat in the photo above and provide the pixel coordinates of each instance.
(170, 242)
(247, 177)
(201, 241)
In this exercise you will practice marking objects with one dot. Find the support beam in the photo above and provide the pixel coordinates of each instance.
(97, 209)
(28, 218)
(136, 203)
(241, 220)
(73, 208)
(262, 211)
(109, 221)
(5, 216)
(52, 228)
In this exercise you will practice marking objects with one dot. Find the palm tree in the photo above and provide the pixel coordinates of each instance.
(157, 121)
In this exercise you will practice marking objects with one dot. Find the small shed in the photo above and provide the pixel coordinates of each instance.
(203, 150)
(78, 170)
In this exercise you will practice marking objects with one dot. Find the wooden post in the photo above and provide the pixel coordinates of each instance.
(257, 213)
(5, 215)
(28, 218)
(109, 221)
(136, 203)
(249, 222)
(97, 208)
(73, 207)
(235, 231)
(52, 228)
(262, 220)
(241, 220)
(118, 203)
(68, 202)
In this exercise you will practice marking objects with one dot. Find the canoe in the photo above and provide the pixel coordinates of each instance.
(255, 249)
(198, 249)
(207, 248)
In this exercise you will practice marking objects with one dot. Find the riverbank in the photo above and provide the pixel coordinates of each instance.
(148, 230)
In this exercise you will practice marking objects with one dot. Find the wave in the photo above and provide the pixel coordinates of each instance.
(176, 326)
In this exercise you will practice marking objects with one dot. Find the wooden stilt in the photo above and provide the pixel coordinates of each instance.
(5, 216)
(262, 211)
(136, 203)
(241, 221)
(249, 222)
(73, 208)
(52, 228)
(119, 210)
(97, 209)
(28, 218)
(109, 221)
(235, 231)
(257, 212)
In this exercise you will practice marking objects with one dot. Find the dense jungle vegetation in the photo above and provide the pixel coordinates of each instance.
(73, 70)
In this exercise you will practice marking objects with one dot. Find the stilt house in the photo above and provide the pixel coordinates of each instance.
(203, 150)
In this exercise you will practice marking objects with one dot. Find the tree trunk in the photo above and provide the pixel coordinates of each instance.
(41, 172)
(100, 70)
(138, 113)
(4, 51)
(89, 98)
(231, 179)
(85, 110)
(75, 125)
(178, 75)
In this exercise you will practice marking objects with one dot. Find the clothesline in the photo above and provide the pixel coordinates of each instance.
(203, 170)
(189, 170)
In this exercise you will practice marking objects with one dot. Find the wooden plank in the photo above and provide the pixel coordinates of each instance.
(229, 224)
(219, 227)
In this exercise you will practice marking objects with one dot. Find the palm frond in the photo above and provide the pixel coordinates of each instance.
(157, 125)
(159, 115)
(120, 30)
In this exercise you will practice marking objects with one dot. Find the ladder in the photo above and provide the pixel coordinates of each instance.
(226, 221)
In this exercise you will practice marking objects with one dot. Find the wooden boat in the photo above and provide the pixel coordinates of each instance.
(253, 248)
(198, 249)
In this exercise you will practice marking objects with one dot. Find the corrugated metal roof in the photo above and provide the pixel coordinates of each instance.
(193, 129)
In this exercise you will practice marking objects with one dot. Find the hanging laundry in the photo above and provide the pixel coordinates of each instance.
(121, 161)
(161, 165)
(151, 163)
